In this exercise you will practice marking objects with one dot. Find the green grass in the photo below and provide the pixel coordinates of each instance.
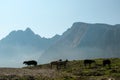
(75, 71)
(78, 70)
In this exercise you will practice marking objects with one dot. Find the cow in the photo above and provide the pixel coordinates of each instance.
(59, 63)
(89, 62)
(54, 63)
(31, 62)
(62, 63)
(107, 62)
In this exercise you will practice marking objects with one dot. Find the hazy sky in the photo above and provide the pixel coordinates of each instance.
(50, 17)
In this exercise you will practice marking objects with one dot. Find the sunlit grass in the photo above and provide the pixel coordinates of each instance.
(75, 71)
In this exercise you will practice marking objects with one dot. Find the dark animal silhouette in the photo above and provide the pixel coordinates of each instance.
(54, 63)
(107, 62)
(59, 63)
(62, 63)
(32, 62)
(89, 62)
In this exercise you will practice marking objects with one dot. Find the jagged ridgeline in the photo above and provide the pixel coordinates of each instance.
(23, 45)
(84, 40)
(81, 41)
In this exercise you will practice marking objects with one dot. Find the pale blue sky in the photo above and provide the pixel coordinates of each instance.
(50, 17)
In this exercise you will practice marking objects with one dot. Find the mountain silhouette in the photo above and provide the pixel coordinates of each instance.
(85, 40)
(81, 41)
(23, 45)
(28, 38)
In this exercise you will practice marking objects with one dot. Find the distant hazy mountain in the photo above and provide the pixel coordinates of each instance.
(23, 45)
(85, 40)
(28, 38)
(81, 41)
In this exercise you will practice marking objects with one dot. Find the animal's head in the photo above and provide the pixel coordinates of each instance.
(24, 62)
(66, 60)
(60, 59)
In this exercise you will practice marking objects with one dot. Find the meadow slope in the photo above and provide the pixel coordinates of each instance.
(75, 70)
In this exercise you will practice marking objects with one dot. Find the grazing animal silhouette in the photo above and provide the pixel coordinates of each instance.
(55, 63)
(89, 62)
(59, 63)
(32, 62)
(107, 62)
(62, 63)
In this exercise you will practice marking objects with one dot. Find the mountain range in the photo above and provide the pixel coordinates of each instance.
(85, 41)
(81, 41)
(21, 45)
